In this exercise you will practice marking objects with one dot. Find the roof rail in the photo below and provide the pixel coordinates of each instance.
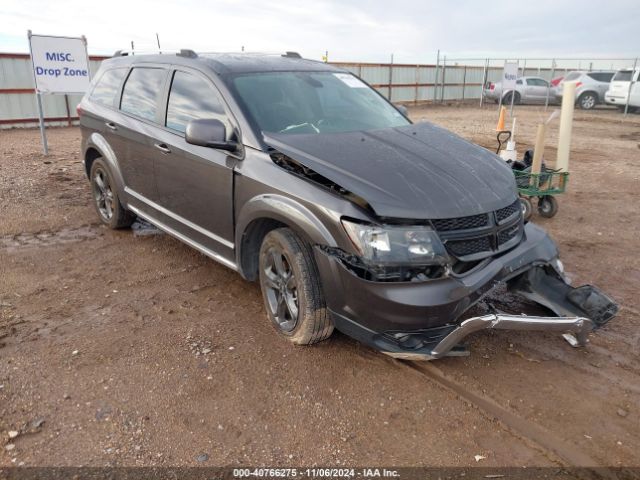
(292, 55)
(185, 52)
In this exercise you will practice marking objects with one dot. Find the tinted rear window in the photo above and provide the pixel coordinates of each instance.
(601, 76)
(140, 93)
(107, 87)
(622, 76)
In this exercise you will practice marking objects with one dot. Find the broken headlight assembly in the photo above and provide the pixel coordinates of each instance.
(396, 253)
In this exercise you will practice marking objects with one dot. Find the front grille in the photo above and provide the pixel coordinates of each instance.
(475, 237)
(462, 248)
(506, 212)
(508, 234)
(462, 223)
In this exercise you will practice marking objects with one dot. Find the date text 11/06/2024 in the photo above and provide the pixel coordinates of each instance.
(315, 473)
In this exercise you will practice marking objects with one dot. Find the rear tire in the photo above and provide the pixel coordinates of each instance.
(105, 197)
(507, 99)
(290, 284)
(588, 100)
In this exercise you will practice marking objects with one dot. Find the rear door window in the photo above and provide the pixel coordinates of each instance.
(192, 97)
(107, 87)
(141, 92)
(536, 82)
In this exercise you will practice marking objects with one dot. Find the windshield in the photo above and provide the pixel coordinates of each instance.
(314, 102)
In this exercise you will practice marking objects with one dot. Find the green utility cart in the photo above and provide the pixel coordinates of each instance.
(544, 186)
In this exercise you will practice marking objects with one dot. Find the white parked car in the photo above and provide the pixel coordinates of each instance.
(619, 89)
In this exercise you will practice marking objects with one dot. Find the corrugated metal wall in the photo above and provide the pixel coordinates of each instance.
(399, 82)
(18, 106)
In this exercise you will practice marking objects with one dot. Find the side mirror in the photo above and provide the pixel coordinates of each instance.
(209, 132)
(402, 109)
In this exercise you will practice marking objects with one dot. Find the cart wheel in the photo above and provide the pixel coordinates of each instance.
(547, 206)
(527, 208)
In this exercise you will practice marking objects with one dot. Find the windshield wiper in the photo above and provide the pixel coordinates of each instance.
(305, 124)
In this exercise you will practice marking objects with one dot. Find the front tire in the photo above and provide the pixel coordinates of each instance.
(105, 197)
(291, 289)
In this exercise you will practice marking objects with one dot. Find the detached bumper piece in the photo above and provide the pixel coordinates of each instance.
(550, 291)
(581, 310)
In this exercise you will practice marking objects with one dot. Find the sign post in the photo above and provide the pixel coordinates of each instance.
(60, 66)
(509, 78)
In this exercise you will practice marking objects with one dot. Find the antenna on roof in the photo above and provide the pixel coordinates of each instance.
(292, 55)
(158, 40)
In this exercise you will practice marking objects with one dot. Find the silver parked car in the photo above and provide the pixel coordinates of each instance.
(528, 90)
(591, 87)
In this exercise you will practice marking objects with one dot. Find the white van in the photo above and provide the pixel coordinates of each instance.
(619, 89)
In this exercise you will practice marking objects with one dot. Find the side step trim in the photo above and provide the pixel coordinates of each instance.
(209, 253)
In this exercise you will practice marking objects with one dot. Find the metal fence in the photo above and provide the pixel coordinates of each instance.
(17, 94)
(460, 79)
(449, 79)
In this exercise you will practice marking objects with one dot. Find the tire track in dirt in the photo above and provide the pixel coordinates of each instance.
(47, 238)
(522, 427)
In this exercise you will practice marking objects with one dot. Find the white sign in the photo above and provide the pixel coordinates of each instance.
(60, 64)
(509, 75)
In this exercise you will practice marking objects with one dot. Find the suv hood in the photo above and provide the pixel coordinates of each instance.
(417, 171)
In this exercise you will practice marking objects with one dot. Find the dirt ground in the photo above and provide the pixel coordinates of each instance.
(118, 349)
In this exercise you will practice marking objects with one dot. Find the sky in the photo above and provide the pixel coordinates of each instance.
(411, 30)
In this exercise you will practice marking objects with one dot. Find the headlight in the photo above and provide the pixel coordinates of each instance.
(396, 245)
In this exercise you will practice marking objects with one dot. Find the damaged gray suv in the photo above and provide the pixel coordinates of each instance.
(301, 176)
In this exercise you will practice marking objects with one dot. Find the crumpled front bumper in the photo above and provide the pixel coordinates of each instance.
(579, 326)
(425, 320)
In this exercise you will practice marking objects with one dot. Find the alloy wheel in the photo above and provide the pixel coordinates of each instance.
(588, 102)
(281, 289)
(103, 194)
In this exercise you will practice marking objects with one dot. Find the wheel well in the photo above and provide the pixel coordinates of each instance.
(592, 92)
(90, 155)
(250, 245)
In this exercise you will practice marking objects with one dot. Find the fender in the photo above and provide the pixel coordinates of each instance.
(98, 142)
(283, 209)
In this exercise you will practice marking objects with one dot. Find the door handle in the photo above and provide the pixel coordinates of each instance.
(162, 147)
(111, 125)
